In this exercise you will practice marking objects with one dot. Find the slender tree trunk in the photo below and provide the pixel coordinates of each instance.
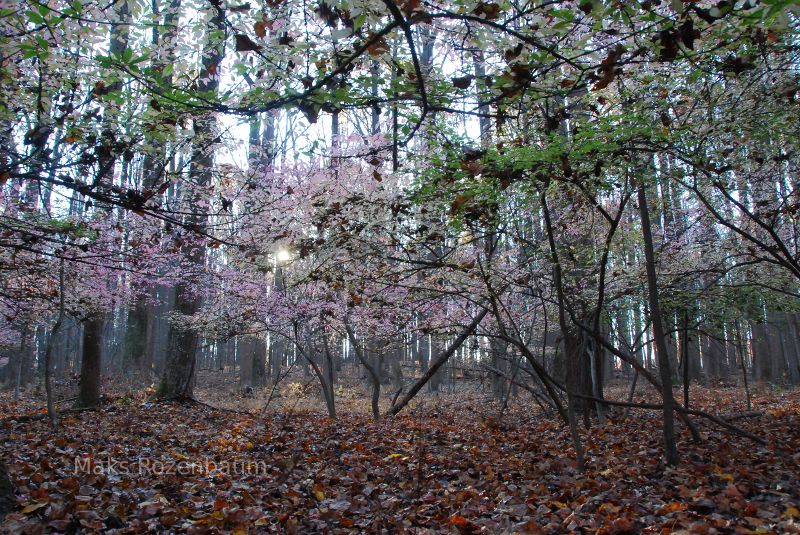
(662, 355)
(51, 409)
(761, 358)
(135, 340)
(330, 380)
(436, 345)
(245, 356)
(685, 358)
(141, 316)
(795, 361)
(742, 362)
(571, 352)
(325, 380)
(373, 373)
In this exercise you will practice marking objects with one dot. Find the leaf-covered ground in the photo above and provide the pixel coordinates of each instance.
(447, 466)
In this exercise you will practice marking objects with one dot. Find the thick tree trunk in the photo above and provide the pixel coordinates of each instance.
(259, 362)
(177, 381)
(245, 353)
(135, 342)
(91, 362)
(179, 368)
(158, 334)
(141, 316)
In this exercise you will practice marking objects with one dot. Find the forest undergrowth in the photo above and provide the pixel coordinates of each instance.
(451, 464)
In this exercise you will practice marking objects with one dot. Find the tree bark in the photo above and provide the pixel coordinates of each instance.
(179, 368)
(571, 352)
(91, 362)
(662, 354)
(373, 373)
(259, 361)
(177, 381)
(141, 316)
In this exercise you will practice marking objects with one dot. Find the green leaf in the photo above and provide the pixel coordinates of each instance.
(139, 59)
(359, 21)
(563, 14)
(35, 18)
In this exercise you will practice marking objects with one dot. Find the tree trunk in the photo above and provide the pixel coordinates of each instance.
(499, 350)
(177, 381)
(662, 355)
(328, 380)
(51, 409)
(91, 362)
(245, 353)
(135, 342)
(259, 361)
(139, 336)
(436, 346)
(761, 357)
(571, 352)
(373, 373)
(179, 368)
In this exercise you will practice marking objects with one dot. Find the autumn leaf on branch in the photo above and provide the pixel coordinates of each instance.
(245, 44)
(608, 68)
(489, 10)
(462, 82)
(378, 46)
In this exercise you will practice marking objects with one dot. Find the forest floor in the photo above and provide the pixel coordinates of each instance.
(446, 465)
